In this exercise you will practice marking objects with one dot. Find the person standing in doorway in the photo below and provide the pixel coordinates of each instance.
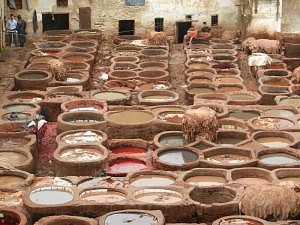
(21, 27)
(11, 26)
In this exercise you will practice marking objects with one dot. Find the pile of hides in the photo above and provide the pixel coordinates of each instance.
(259, 59)
(296, 74)
(6, 164)
(157, 38)
(261, 45)
(58, 69)
(270, 200)
(199, 123)
(231, 34)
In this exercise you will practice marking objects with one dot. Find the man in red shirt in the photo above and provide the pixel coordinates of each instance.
(192, 33)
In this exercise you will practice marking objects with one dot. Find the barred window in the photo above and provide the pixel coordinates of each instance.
(159, 24)
(135, 2)
(61, 3)
(214, 20)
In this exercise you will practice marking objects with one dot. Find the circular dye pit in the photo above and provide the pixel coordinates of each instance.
(77, 58)
(153, 86)
(205, 180)
(239, 222)
(228, 80)
(126, 165)
(269, 123)
(228, 141)
(241, 97)
(103, 195)
(228, 159)
(13, 142)
(229, 88)
(178, 156)
(279, 113)
(15, 157)
(151, 180)
(200, 90)
(15, 116)
(195, 72)
(295, 180)
(11, 180)
(136, 218)
(18, 107)
(274, 142)
(277, 83)
(278, 158)
(81, 137)
(110, 95)
(198, 65)
(244, 115)
(171, 117)
(251, 181)
(290, 101)
(51, 196)
(158, 196)
(158, 98)
(33, 76)
(199, 80)
(81, 154)
(26, 98)
(128, 150)
(172, 140)
(130, 117)
(49, 181)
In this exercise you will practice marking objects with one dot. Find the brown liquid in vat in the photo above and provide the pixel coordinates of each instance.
(205, 180)
(131, 117)
(274, 142)
(15, 157)
(251, 181)
(228, 158)
(10, 179)
(277, 83)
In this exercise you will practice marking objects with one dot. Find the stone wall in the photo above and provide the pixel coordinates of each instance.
(266, 16)
(291, 16)
(107, 13)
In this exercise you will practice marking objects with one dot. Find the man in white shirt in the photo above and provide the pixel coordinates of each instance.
(11, 31)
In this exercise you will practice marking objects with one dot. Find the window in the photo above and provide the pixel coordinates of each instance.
(214, 20)
(135, 2)
(62, 3)
(159, 24)
(14, 4)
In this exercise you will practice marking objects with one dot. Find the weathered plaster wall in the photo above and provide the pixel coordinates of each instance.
(109, 12)
(291, 16)
(266, 17)
(171, 11)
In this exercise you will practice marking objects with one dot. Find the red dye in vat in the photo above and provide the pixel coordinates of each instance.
(125, 165)
(4, 223)
(129, 150)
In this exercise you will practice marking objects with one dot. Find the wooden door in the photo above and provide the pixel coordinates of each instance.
(85, 18)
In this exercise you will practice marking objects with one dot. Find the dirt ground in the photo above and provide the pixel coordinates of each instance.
(14, 58)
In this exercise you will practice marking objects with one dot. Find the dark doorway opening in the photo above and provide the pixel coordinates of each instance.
(159, 24)
(126, 27)
(85, 18)
(55, 21)
(181, 30)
